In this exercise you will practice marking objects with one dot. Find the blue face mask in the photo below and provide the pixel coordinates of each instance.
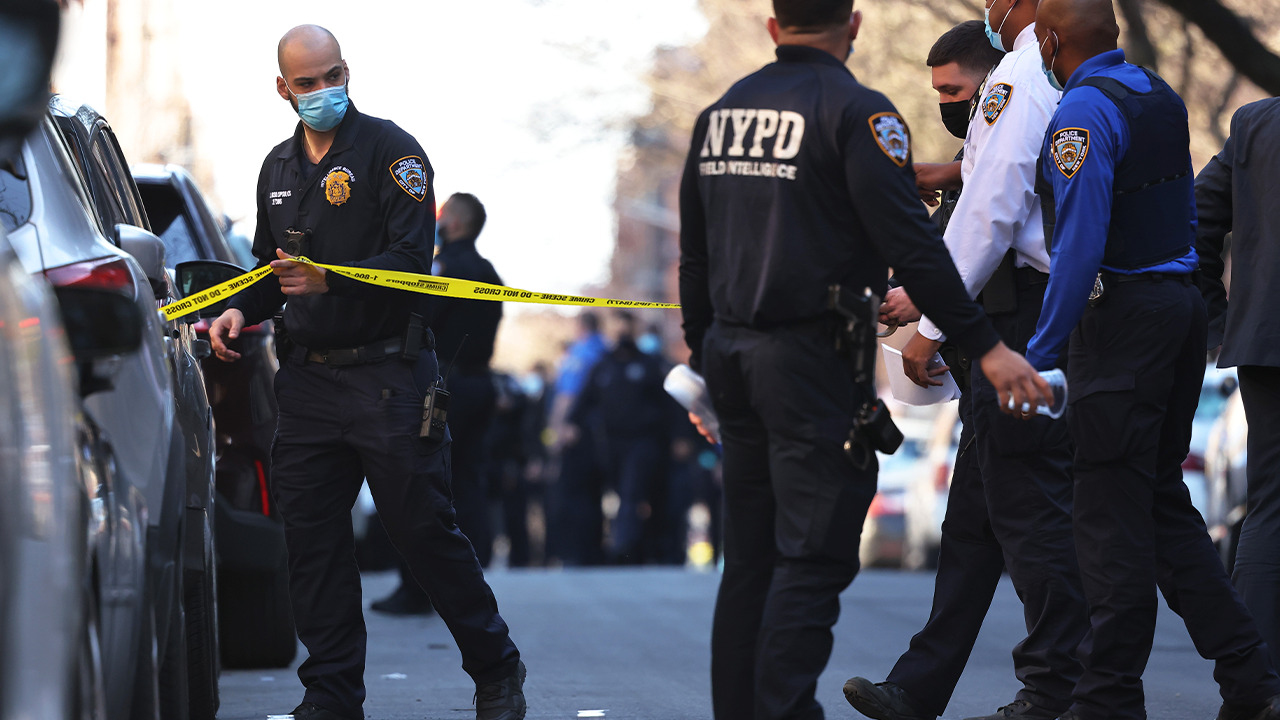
(649, 344)
(323, 110)
(994, 35)
(1048, 70)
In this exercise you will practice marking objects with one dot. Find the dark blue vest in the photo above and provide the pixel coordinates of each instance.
(1151, 203)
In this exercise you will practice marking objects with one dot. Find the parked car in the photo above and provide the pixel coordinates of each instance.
(884, 531)
(926, 498)
(85, 228)
(1225, 462)
(254, 612)
(1218, 385)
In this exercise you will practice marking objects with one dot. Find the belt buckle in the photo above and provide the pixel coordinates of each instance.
(1098, 293)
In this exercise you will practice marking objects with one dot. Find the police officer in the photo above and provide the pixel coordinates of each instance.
(996, 237)
(1117, 170)
(350, 189)
(465, 332)
(1235, 193)
(799, 178)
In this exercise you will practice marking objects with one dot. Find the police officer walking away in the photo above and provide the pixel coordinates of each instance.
(1235, 193)
(1117, 170)
(1014, 509)
(797, 179)
(465, 332)
(350, 189)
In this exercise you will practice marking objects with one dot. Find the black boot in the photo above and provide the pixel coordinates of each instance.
(406, 600)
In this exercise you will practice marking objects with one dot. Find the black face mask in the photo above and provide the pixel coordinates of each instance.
(955, 115)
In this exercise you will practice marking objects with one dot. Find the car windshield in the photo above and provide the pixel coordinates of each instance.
(164, 207)
(15, 195)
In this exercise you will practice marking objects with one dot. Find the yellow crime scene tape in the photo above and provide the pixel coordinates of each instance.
(413, 282)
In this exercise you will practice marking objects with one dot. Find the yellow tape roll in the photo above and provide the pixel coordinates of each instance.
(413, 282)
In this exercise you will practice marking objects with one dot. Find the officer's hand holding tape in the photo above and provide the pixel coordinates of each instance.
(1019, 387)
(298, 278)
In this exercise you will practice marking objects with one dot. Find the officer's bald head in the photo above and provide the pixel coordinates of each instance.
(1084, 26)
(306, 46)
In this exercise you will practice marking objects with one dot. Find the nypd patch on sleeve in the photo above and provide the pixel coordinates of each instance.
(1070, 147)
(892, 135)
(995, 101)
(410, 174)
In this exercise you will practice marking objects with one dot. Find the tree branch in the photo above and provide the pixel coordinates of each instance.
(1232, 35)
(1138, 45)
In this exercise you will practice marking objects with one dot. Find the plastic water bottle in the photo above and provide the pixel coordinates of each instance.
(1058, 384)
(690, 390)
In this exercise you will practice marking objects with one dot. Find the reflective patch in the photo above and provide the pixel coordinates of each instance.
(995, 102)
(337, 185)
(1070, 148)
(411, 175)
(892, 135)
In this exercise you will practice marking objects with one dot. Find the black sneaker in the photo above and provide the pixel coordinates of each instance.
(404, 602)
(502, 700)
(882, 701)
(1269, 710)
(1019, 709)
(309, 711)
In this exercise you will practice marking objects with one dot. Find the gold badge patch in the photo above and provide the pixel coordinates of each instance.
(892, 135)
(411, 175)
(1070, 148)
(995, 102)
(337, 185)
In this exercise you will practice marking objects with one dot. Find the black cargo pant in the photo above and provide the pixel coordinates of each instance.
(1009, 506)
(337, 426)
(794, 509)
(1257, 569)
(1135, 371)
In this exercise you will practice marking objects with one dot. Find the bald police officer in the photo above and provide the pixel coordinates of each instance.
(350, 189)
(797, 179)
(1116, 169)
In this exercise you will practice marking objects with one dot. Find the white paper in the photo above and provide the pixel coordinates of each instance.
(905, 391)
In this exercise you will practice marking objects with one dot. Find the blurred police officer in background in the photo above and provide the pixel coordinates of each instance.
(1236, 193)
(797, 179)
(1117, 171)
(356, 368)
(996, 237)
(465, 332)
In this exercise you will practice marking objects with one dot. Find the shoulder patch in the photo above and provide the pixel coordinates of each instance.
(1070, 147)
(892, 135)
(410, 174)
(995, 101)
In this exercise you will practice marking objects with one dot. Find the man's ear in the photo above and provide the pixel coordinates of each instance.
(772, 24)
(346, 70)
(855, 22)
(282, 88)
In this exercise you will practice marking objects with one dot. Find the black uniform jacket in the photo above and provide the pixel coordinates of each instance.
(369, 203)
(452, 319)
(1236, 193)
(798, 178)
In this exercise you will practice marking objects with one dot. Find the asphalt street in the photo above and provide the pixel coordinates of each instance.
(634, 643)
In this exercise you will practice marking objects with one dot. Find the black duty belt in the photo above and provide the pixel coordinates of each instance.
(373, 352)
(1122, 278)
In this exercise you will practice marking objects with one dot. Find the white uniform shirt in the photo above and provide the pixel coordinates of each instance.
(999, 208)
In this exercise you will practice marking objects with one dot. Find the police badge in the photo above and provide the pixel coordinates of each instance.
(995, 102)
(1070, 148)
(892, 135)
(411, 175)
(337, 185)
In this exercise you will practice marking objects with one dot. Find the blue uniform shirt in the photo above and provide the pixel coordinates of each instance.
(578, 361)
(1083, 202)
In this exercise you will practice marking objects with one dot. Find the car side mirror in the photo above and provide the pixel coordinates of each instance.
(148, 250)
(100, 324)
(197, 275)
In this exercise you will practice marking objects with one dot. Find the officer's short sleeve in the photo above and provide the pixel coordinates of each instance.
(405, 183)
(876, 145)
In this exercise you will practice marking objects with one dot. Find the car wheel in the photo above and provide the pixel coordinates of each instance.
(256, 619)
(91, 698)
(202, 641)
